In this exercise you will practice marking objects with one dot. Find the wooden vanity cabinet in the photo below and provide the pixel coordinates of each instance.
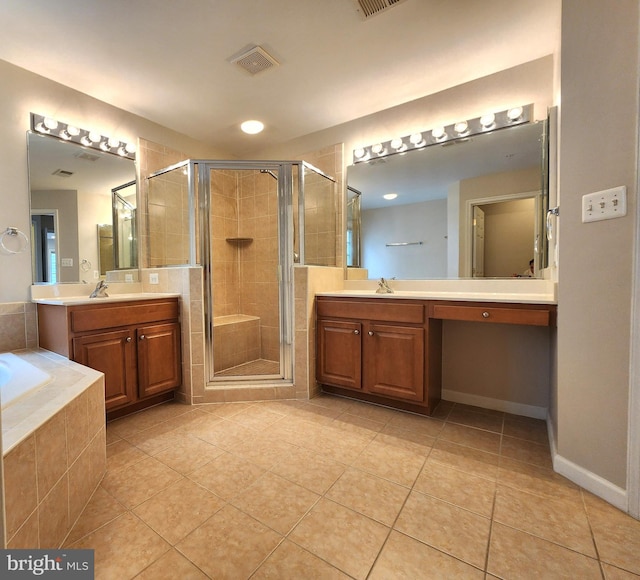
(377, 351)
(135, 344)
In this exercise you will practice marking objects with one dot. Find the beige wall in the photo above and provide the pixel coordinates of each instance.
(24, 92)
(598, 150)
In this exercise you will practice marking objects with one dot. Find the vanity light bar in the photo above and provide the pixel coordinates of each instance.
(449, 133)
(48, 126)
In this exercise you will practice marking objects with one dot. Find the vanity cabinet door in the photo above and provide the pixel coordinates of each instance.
(114, 354)
(339, 353)
(394, 361)
(158, 358)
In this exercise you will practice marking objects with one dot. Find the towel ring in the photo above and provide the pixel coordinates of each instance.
(23, 240)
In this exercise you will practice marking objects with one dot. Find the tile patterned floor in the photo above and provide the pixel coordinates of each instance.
(333, 488)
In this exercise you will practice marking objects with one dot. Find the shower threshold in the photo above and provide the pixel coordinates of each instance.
(253, 368)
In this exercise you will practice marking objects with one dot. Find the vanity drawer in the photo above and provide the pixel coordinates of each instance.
(371, 309)
(101, 316)
(480, 313)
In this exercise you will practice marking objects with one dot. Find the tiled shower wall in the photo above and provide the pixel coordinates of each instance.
(164, 235)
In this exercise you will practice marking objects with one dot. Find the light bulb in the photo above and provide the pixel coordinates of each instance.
(487, 120)
(398, 144)
(104, 145)
(94, 137)
(130, 148)
(113, 143)
(515, 113)
(378, 149)
(390, 196)
(359, 153)
(461, 128)
(50, 123)
(438, 133)
(73, 131)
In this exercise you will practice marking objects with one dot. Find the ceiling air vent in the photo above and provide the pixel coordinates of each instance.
(255, 60)
(62, 173)
(87, 156)
(369, 8)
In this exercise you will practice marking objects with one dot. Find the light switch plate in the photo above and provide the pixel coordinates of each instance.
(66, 262)
(154, 278)
(604, 205)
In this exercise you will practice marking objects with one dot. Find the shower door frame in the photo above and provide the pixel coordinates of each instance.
(284, 171)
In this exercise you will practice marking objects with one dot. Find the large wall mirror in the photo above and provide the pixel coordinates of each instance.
(470, 207)
(83, 212)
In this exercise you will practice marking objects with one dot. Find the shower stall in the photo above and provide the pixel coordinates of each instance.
(247, 223)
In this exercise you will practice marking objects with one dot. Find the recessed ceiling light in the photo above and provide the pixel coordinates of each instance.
(390, 196)
(252, 127)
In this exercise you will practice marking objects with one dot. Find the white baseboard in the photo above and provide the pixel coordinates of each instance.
(495, 404)
(604, 489)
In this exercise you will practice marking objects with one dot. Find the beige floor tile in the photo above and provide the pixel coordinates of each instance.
(560, 521)
(123, 548)
(101, 509)
(415, 442)
(465, 459)
(514, 554)
(404, 557)
(337, 403)
(471, 437)
(276, 502)
(310, 470)
(526, 451)
(227, 475)
(526, 428)
(475, 417)
(463, 489)
(122, 453)
(336, 444)
(535, 479)
(347, 540)
(256, 417)
(224, 433)
(170, 566)
(417, 424)
(188, 454)
(156, 438)
(372, 412)
(314, 413)
(264, 450)
(363, 426)
(617, 535)
(225, 409)
(448, 528)
(230, 544)
(613, 573)
(178, 510)
(134, 484)
(397, 465)
(369, 495)
(442, 410)
(291, 562)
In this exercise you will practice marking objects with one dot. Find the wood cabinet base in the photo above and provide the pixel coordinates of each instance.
(144, 404)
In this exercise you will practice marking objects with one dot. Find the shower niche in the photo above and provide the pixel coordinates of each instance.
(247, 223)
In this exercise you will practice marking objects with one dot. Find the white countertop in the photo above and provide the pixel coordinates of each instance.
(76, 294)
(469, 290)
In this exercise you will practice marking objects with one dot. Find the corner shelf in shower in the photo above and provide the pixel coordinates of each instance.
(239, 240)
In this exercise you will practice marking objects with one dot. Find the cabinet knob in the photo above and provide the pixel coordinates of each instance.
(128, 339)
(485, 314)
(370, 333)
(356, 332)
(142, 337)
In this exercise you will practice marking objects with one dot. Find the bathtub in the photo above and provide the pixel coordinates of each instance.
(19, 379)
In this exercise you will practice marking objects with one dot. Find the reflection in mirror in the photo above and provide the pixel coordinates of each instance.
(71, 195)
(427, 229)
(125, 246)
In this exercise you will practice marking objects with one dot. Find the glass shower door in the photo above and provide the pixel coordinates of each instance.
(249, 256)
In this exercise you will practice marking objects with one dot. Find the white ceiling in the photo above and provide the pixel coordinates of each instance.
(169, 61)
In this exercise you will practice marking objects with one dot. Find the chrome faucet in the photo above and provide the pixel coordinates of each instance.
(383, 287)
(100, 290)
